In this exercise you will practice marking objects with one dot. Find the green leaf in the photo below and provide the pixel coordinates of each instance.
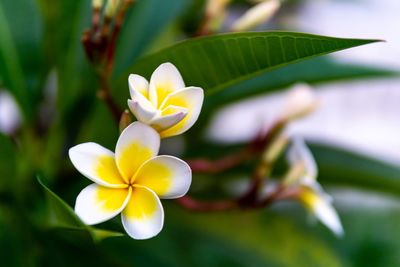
(61, 215)
(21, 52)
(344, 167)
(220, 61)
(144, 22)
(10, 68)
(7, 162)
(76, 78)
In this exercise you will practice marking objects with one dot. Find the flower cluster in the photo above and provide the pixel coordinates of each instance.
(132, 180)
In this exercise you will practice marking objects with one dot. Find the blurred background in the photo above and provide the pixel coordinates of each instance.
(357, 123)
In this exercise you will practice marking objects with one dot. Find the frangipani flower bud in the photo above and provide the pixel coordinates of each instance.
(300, 102)
(310, 193)
(111, 8)
(97, 4)
(257, 15)
(165, 103)
(125, 120)
(216, 8)
(10, 116)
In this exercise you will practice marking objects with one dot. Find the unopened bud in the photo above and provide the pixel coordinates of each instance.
(300, 102)
(111, 8)
(216, 8)
(10, 116)
(294, 175)
(257, 15)
(275, 149)
(125, 120)
(97, 4)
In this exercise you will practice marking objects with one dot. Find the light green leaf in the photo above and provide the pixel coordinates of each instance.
(218, 62)
(61, 215)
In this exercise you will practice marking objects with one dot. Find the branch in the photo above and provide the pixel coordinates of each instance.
(203, 206)
(105, 95)
(100, 50)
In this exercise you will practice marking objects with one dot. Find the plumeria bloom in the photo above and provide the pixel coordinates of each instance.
(165, 103)
(311, 194)
(129, 182)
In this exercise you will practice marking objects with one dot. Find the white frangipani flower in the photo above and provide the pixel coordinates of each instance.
(257, 15)
(311, 194)
(165, 103)
(129, 182)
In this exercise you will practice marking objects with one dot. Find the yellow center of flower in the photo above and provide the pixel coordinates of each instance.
(156, 176)
(111, 199)
(141, 205)
(107, 170)
(132, 158)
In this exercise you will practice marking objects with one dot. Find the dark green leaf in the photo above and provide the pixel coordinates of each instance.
(313, 71)
(11, 69)
(343, 167)
(143, 24)
(7, 163)
(220, 61)
(61, 215)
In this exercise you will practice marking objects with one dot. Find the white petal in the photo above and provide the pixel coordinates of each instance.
(143, 217)
(164, 80)
(136, 144)
(299, 152)
(175, 115)
(328, 216)
(96, 204)
(167, 176)
(96, 163)
(190, 98)
(142, 111)
(140, 105)
(138, 84)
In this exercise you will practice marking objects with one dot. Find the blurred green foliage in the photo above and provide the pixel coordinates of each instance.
(37, 228)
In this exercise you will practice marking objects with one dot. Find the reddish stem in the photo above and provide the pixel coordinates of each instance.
(219, 165)
(197, 205)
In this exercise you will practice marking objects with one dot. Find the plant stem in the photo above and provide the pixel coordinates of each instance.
(203, 206)
(219, 165)
(105, 95)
